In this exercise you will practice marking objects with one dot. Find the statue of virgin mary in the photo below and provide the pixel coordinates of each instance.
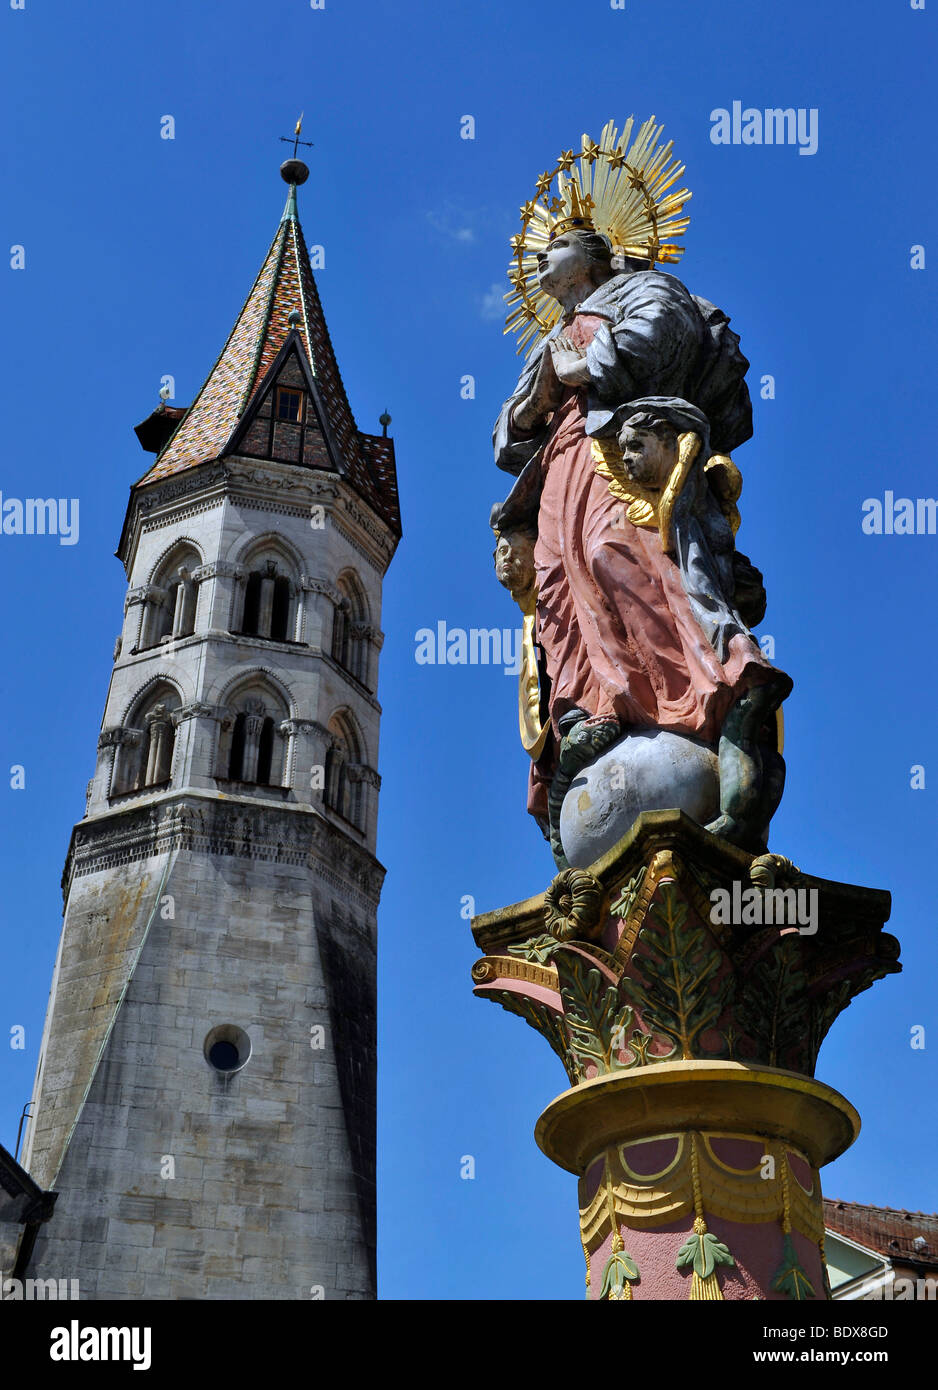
(619, 431)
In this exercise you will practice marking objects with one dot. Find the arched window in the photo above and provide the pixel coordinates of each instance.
(268, 609)
(343, 792)
(251, 748)
(145, 753)
(349, 643)
(170, 609)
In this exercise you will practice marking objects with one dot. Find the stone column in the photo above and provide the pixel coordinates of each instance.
(317, 628)
(253, 726)
(148, 599)
(194, 754)
(687, 988)
(184, 614)
(159, 757)
(310, 761)
(266, 607)
(368, 782)
(369, 641)
(296, 620)
(230, 587)
(110, 743)
(134, 610)
(223, 610)
(299, 756)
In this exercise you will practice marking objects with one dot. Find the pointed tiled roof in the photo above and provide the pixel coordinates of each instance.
(285, 283)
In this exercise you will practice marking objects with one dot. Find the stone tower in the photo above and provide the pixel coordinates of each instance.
(205, 1095)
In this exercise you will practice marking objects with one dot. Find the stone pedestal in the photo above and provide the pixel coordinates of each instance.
(687, 987)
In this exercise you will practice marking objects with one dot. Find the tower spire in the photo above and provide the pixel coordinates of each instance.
(284, 297)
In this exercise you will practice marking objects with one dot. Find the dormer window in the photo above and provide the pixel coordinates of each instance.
(289, 404)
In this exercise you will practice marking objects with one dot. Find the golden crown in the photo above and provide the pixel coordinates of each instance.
(619, 188)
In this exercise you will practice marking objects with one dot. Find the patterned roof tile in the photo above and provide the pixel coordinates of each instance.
(285, 283)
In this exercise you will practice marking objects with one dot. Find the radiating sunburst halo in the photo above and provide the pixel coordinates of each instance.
(619, 189)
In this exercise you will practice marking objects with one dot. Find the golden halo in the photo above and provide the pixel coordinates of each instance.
(620, 190)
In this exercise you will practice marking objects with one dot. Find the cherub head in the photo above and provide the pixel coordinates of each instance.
(514, 560)
(649, 445)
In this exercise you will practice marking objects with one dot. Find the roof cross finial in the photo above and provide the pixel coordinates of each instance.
(293, 171)
(296, 137)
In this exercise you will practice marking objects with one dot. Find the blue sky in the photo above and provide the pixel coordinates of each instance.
(139, 252)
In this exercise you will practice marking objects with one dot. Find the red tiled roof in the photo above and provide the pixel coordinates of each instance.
(285, 283)
(888, 1231)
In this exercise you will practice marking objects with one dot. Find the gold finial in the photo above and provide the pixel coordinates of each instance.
(293, 170)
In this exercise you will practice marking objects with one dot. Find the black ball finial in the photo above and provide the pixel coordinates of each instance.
(294, 171)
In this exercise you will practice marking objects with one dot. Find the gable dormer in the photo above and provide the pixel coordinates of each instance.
(285, 421)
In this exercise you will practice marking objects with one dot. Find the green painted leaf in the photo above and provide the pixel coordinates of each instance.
(704, 1252)
(537, 949)
(790, 1277)
(620, 1269)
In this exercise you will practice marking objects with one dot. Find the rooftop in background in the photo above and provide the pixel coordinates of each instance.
(889, 1232)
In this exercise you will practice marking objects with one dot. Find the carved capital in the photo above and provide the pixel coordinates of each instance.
(116, 736)
(194, 710)
(368, 632)
(314, 585)
(218, 569)
(684, 947)
(159, 714)
(145, 593)
(360, 772)
(300, 726)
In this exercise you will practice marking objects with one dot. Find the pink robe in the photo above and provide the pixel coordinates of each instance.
(619, 636)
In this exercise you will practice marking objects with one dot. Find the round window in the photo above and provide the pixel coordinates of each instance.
(227, 1047)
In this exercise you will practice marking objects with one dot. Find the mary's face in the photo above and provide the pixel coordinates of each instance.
(564, 263)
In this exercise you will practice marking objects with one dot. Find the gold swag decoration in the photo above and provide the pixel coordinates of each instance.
(619, 189)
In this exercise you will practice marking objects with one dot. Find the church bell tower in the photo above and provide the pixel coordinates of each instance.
(204, 1104)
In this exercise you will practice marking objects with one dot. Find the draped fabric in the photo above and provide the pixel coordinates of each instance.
(627, 630)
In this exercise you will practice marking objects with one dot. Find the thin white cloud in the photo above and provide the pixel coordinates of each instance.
(492, 304)
(452, 223)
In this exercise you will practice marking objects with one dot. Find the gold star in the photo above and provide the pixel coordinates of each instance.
(527, 211)
(516, 243)
(591, 150)
(544, 182)
(636, 180)
(616, 159)
(566, 160)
